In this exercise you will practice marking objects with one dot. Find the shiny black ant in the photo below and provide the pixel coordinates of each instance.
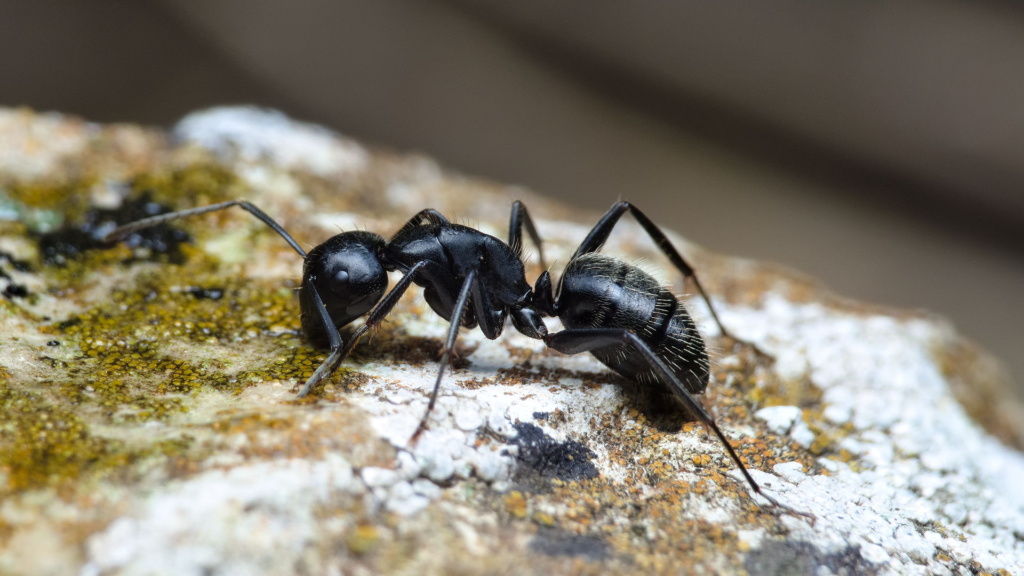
(468, 278)
(609, 308)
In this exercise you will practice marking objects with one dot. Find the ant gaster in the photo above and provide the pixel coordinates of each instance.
(609, 308)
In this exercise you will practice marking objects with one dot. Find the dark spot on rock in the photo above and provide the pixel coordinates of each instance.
(553, 542)
(541, 456)
(15, 291)
(69, 323)
(19, 265)
(53, 362)
(541, 415)
(205, 293)
(69, 242)
(11, 289)
(663, 409)
(795, 558)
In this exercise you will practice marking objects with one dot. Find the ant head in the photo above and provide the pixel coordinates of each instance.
(349, 279)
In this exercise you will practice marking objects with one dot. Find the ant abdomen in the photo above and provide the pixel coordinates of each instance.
(599, 291)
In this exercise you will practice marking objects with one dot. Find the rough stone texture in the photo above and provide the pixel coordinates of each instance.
(149, 423)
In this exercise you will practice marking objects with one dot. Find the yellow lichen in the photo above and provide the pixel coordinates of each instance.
(515, 504)
(362, 539)
(139, 353)
(45, 445)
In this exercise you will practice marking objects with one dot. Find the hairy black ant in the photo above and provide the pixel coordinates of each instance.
(609, 308)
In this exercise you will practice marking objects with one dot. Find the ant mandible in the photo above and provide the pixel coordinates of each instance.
(610, 308)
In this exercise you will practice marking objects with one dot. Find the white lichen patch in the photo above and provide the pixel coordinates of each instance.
(33, 145)
(261, 135)
(787, 420)
(257, 517)
(930, 470)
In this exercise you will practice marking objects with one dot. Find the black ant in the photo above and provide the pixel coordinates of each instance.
(609, 308)
(469, 278)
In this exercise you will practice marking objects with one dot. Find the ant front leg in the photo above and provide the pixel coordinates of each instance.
(599, 234)
(519, 218)
(330, 364)
(377, 315)
(449, 345)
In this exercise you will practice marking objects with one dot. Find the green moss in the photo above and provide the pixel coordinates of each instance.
(203, 183)
(44, 207)
(125, 374)
(128, 341)
(43, 444)
(142, 352)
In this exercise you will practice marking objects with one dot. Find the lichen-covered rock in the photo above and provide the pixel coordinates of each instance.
(149, 423)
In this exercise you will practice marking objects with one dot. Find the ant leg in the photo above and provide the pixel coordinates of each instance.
(126, 229)
(425, 216)
(519, 218)
(449, 345)
(330, 364)
(579, 340)
(377, 315)
(599, 234)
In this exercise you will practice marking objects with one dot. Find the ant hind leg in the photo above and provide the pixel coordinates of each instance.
(600, 232)
(579, 340)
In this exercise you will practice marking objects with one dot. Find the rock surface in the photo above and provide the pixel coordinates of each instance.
(149, 422)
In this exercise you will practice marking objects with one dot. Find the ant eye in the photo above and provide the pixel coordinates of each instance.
(353, 275)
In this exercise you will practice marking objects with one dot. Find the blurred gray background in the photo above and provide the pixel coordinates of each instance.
(878, 146)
